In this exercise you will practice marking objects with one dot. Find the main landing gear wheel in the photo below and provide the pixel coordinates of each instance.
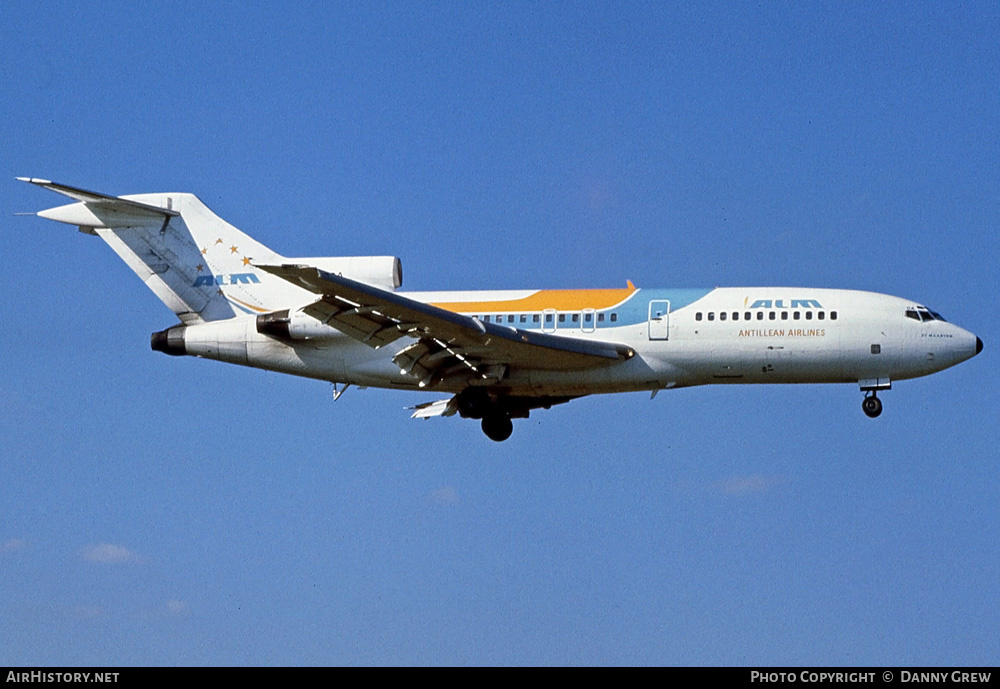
(871, 405)
(497, 427)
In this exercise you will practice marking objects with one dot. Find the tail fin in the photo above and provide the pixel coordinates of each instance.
(199, 265)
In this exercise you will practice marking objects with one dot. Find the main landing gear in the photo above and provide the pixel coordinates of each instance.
(871, 405)
(497, 408)
(497, 426)
(476, 403)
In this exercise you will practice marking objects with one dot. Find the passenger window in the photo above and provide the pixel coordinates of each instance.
(697, 316)
(833, 315)
(722, 315)
(796, 315)
(576, 318)
(760, 315)
(821, 315)
(784, 315)
(562, 317)
(736, 315)
(711, 315)
(809, 315)
(600, 318)
(486, 319)
(746, 316)
(548, 318)
(588, 317)
(614, 317)
(524, 318)
(771, 316)
(534, 318)
(510, 319)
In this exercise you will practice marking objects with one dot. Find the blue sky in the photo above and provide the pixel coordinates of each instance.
(176, 511)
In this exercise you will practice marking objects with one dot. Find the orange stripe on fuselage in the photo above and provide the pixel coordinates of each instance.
(558, 299)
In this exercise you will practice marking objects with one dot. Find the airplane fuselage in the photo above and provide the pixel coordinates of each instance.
(681, 338)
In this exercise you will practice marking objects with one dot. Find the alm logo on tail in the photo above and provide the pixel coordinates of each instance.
(230, 279)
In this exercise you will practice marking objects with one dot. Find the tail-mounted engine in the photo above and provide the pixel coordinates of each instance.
(294, 325)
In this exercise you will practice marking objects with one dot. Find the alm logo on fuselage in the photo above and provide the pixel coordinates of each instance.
(230, 279)
(780, 304)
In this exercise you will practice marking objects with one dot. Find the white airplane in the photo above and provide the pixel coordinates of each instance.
(499, 354)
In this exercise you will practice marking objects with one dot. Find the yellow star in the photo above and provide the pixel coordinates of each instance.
(204, 251)
(246, 261)
(200, 267)
(219, 240)
(221, 292)
(233, 249)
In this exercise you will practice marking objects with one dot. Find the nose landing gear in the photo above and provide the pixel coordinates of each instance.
(871, 405)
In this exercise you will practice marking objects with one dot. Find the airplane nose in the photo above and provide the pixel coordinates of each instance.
(979, 345)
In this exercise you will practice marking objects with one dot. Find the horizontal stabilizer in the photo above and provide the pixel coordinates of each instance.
(98, 210)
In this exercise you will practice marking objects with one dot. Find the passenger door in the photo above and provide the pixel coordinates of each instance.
(659, 319)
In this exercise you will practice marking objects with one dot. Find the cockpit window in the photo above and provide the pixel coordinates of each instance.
(923, 314)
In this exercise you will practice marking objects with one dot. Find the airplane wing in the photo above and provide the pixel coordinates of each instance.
(447, 344)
